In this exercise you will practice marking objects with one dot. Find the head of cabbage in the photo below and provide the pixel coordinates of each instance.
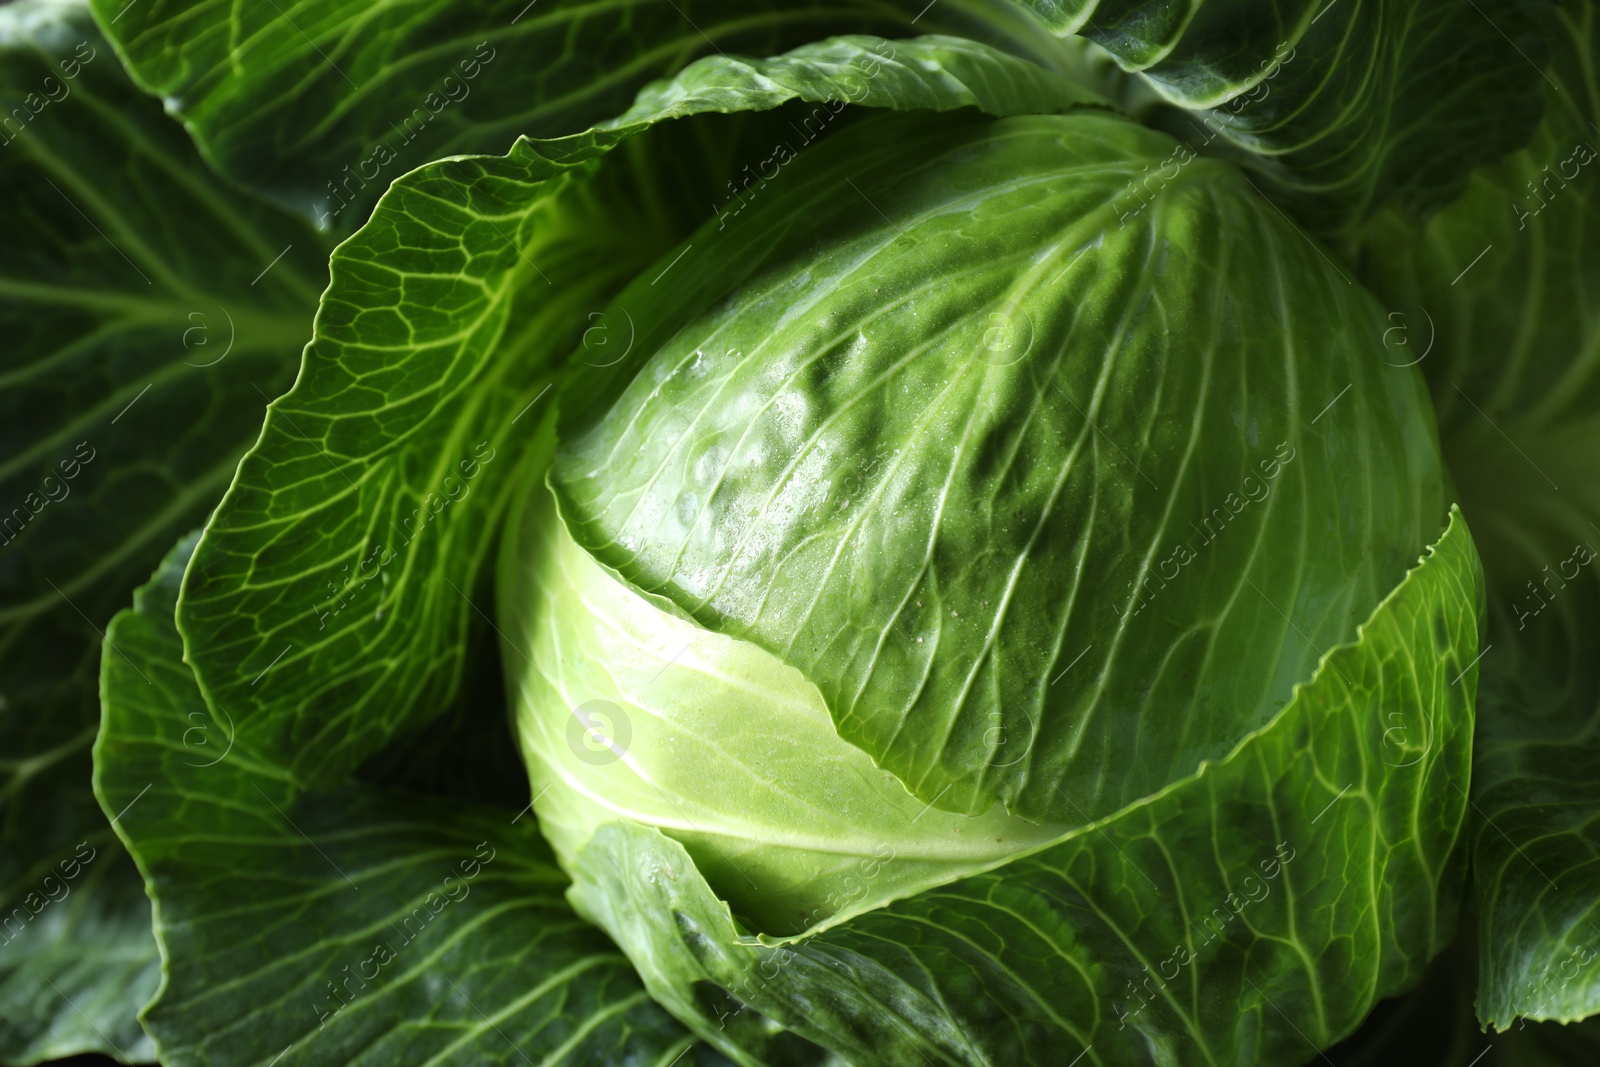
(976, 483)
(968, 491)
(977, 582)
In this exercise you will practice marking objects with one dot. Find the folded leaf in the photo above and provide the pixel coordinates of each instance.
(77, 960)
(734, 752)
(1252, 913)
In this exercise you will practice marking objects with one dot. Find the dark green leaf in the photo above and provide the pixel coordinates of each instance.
(149, 311)
(357, 926)
(1498, 297)
(1434, 1026)
(325, 103)
(77, 960)
(1339, 105)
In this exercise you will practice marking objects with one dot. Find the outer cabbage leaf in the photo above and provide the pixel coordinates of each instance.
(357, 926)
(1434, 1025)
(328, 602)
(324, 104)
(1252, 913)
(79, 961)
(1499, 298)
(147, 318)
(1339, 106)
(1053, 491)
(1536, 851)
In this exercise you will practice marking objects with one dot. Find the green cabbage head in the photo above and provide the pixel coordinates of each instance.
(985, 507)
